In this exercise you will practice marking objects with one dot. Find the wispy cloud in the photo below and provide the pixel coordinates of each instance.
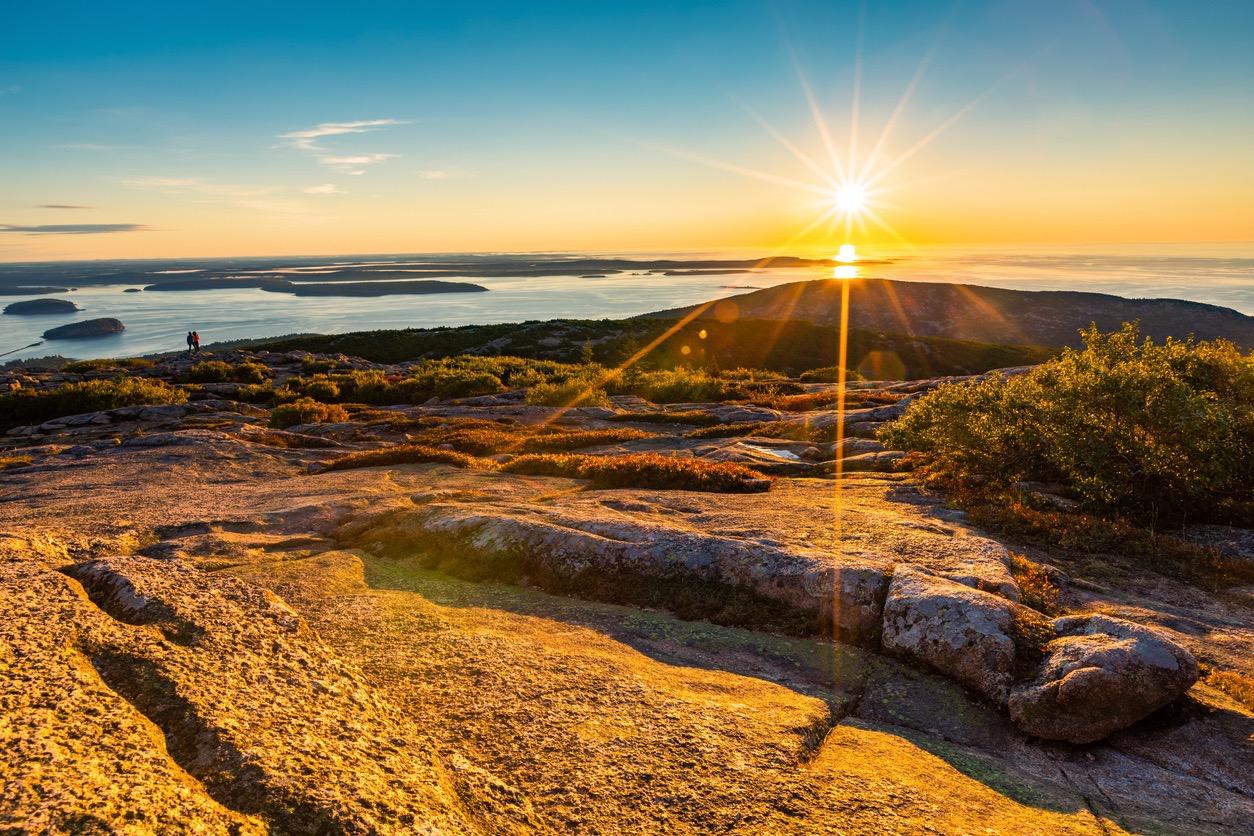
(61, 206)
(73, 229)
(176, 185)
(305, 140)
(325, 188)
(353, 164)
(10, 89)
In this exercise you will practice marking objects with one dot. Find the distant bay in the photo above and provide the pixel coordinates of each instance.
(557, 286)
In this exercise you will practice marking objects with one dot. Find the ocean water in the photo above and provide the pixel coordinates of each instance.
(158, 321)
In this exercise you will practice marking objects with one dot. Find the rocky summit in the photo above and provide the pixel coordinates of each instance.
(420, 618)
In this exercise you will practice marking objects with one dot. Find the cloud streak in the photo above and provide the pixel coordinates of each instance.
(73, 229)
(304, 140)
(325, 188)
(61, 206)
(353, 164)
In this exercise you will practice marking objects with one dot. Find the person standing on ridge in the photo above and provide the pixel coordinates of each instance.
(191, 343)
(195, 342)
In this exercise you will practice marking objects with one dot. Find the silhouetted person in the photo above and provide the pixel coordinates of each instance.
(195, 342)
(191, 343)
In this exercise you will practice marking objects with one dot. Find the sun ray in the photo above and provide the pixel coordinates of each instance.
(820, 122)
(856, 105)
(802, 157)
(737, 169)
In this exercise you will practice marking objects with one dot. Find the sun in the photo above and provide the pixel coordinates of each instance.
(850, 199)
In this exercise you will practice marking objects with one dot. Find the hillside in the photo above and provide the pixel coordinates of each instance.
(972, 312)
(404, 617)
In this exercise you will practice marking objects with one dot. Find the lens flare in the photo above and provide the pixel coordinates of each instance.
(847, 254)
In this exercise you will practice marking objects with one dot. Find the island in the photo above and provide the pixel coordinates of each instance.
(88, 328)
(41, 306)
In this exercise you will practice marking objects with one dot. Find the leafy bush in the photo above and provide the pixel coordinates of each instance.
(676, 386)
(574, 392)
(306, 411)
(1153, 432)
(256, 392)
(7, 462)
(34, 406)
(644, 470)
(80, 366)
(217, 371)
(1037, 587)
(828, 374)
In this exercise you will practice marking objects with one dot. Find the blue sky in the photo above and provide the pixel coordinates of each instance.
(575, 125)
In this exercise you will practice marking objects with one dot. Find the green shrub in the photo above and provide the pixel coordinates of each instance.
(256, 392)
(306, 411)
(80, 366)
(828, 374)
(676, 386)
(217, 371)
(1151, 432)
(34, 406)
(574, 392)
(643, 470)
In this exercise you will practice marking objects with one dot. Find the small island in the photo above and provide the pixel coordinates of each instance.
(88, 328)
(41, 307)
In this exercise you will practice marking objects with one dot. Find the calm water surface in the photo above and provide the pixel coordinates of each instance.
(1220, 275)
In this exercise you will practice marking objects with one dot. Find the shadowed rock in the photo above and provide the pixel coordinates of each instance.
(41, 306)
(1100, 675)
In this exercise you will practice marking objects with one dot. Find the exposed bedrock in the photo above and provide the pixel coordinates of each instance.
(174, 700)
(1100, 675)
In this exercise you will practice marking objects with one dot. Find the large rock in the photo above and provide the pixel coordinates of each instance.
(41, 306)
(1100, 675)
(102, 327)
(954, 629)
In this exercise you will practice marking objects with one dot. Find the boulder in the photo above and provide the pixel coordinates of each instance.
(41, 306)
(961, 632)
(1100, 675)
(102, 327)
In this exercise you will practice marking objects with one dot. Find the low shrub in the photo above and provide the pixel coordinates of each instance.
(306, 411)
(643, 470)
(34, 406)
(674, 386)
(694, 417)
(80, 366)
(403, 454)
(482, 438)
(726, 430)
(828, 374)
(571, 393)
(1037, 587)
(1154, 433)
(7, 462)
(256, 392)
(218, 371)
(1239, 686)
(573, 440)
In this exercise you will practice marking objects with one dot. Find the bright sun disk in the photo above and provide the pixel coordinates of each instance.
(850, 199)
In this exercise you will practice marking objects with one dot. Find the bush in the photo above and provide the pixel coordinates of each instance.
(305, 411)
(217, 371)
(575, 392)
(1153, 432)
(644, 470)
(80, 366)
(676, 386)
(34, 406)
(256, 392)
(828, 374)
(402, 454)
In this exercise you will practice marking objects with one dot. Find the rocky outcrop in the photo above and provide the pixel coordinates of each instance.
(1100, 675)
(954, 629)
(41, 306)
(102, 327)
